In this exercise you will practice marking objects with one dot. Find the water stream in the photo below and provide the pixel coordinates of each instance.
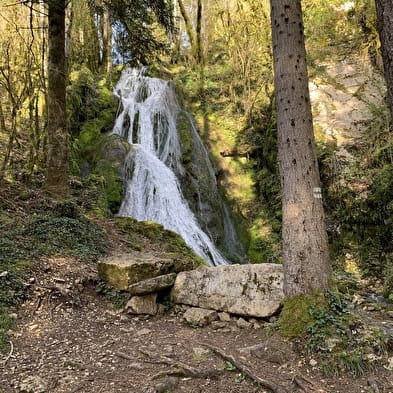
(153, 192)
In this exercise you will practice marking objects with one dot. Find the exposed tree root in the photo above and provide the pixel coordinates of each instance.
(183, 369)
(246, 371)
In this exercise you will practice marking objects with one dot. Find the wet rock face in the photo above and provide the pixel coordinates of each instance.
(251, 290)
(199, 186)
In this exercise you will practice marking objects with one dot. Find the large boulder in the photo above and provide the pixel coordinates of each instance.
(124, 270)
(251, 290)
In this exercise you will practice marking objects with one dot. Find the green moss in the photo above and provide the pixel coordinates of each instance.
(296, 317)
(112, 184)
(184, 130)
(168, 242)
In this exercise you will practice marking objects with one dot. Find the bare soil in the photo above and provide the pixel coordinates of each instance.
(71, 339)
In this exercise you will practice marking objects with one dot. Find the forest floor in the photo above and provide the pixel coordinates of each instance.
(68, 338)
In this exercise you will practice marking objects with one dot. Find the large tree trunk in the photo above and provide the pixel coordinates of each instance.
(304, 245)
(57, 160)
(385, 30)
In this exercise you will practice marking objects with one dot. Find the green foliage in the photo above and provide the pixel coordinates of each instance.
(352, 362)
(331, 333)
(327, 321)
(91, 114)
(63, 235)
(229, 366)
(264, 249)
(116, 297)
(107, 179)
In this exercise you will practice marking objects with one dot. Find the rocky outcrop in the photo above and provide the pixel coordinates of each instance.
(251, 290)
(122, 271)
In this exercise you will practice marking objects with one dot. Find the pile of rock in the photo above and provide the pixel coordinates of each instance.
(252, 290)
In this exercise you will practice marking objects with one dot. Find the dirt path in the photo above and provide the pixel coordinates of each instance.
(70, 339)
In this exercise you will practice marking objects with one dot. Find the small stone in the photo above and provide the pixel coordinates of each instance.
(33, 327)
(13, 315)
(200, 353)
(256, 325)
(243, 324)
(331, 343)
(167, 350)
(143, 304)
(372, 357)
(370, 307)
(124, 318)
(390, 363)
(3, 274)
(136, 366)
(224, 317)
(33, 384)
(199, 316)
(143, 332)
(218, 325)
(390, 314)
(273, 319)
(313, 362)
(357, 299)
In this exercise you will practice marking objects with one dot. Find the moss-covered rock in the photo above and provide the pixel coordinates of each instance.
(296, 316)
(167, 244)
(164, 252)
(199, 186)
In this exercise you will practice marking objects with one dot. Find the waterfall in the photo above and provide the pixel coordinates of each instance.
(153, 191)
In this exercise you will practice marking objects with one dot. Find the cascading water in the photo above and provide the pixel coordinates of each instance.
(153, 192)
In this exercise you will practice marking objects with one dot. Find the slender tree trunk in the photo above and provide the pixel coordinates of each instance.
(10, 144)
(69, 14)
(199, 47)
(57, 158)
(106, 41)
(385, 30)
(189, 30)
(305, 249)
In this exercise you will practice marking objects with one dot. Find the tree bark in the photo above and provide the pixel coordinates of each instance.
(199, 48)
(304, 241)
(57, 158)
(106, 41)
(189, 30)
(385, 30)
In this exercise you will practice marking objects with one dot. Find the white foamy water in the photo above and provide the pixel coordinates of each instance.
(153, 193)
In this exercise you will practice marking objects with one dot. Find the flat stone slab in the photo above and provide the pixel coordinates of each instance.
(151, 285)
(250, 290)
(124, 270)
